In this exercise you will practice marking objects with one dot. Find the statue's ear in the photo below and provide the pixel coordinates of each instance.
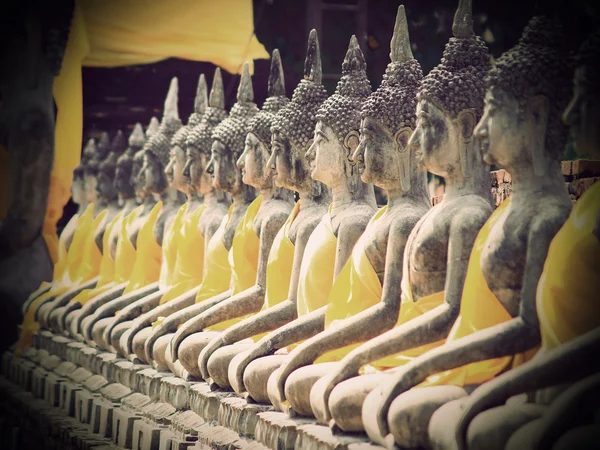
(401, 143)
(539, 107)
(351, 142)
(467, 122)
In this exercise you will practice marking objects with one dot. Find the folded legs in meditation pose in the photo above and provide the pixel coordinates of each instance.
(194, 232)
(149, 228)
(235, 238)
(272, 213)
(497, 327)
(330, 244)
(569, 318)
(291, 134)
(182, 243)
(365, 298)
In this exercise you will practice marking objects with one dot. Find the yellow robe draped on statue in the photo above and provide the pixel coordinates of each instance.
(318, 265)
(188, 264)
(113, 33)
(243, 258)
(479, 309)
(568, 305)
(146, 268)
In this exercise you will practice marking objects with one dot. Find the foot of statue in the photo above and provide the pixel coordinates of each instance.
(218, 363)
(257, 374)
(190, 349)
(347, 398)
(299, 384)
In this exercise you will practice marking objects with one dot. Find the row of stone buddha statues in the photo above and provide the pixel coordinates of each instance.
(410, 323)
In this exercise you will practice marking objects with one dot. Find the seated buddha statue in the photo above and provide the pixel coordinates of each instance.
(436, 253)
(497, 328)
(183, 246)
(197, 146)
(330, 244)
(148, 223)
(226, 147)
(291, 135)
(365, 297)
(248, 291)
(562, 372)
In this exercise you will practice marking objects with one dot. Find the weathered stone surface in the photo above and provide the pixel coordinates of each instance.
(277, 430)
(240, 416)
(205, 402)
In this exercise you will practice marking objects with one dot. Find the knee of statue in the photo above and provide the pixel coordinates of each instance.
(493, 428)
(410, 413)
(525, 437)
(443, 423)
(347, 398)
(71, 321)
(116, 333)
(161, 351)
(299, 384)
(85, 327)
(54, 319)
(190, 349)
(98, 331)
(139, 341)
(257, 375)
(218, 363)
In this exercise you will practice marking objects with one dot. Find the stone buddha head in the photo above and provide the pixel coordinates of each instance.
(124, 170)
(528, 89)
(97, 154)
(107, 169)
(229, 138)
(450, 103)
(199, 140)
(257, 151)
(388, 119)
(336, 134)
(293, 126)
(158, 147)
(78, 189)
(177, 155)
(583, 112)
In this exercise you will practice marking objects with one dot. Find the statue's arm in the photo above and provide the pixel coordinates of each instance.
(170, 324)
(578, 355)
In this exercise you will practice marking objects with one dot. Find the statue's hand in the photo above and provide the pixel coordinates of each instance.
(235, 371)
(276, 390)
(375, 414)
(206, 353)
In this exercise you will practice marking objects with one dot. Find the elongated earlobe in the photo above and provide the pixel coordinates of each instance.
(401, 143)
(538, 115)
(467, 122)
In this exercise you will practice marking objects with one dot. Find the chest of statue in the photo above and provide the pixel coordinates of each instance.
(376, 242)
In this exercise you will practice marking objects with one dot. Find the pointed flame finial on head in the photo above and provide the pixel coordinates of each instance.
(118, 145)
(201, 100)
(400, 50)
(152, 127)
(312, 65)
(354, 61)
(276, 84)
(89, 151)
(171, 109)
(463, 19)
(103, 147)
(217, 94)
(245, 91)
(137, 138)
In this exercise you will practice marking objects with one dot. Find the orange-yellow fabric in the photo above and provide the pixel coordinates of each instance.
(243, 258)
(169, 249)
(318, 265)
(479, 309)
(110, 33)
(567, 295)
(146, 268)
(189, 258)
(75, 269)
(125, 253)
(217, 271)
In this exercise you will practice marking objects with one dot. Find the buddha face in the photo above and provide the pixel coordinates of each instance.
(196, 162)
(91, 187)
(288, 163)
(253, 163)
(153, 172)
(106, 188)
(138, 180)
(439, 138)
(222, 166)
(123, 177)
(505, 135)
(582, 115)
(174, 170)
(378, 153)
(327, 157)
(78, 191)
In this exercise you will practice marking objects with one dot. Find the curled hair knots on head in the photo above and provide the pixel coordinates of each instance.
(538, 65)
(394, 103)
(261, 124)
(200, 137)
(341, 111)
(179, 138)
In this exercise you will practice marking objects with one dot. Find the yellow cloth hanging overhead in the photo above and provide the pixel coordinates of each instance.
(479, 309)
(111, 33)
(567, 295)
